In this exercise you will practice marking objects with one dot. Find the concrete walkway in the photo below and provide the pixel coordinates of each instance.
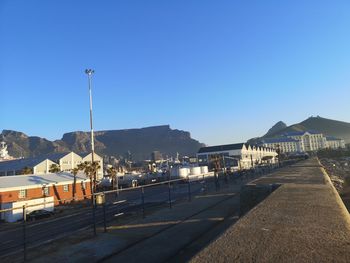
(304, 220)
(157, 238)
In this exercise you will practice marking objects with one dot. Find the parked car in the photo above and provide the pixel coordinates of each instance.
(39, 214)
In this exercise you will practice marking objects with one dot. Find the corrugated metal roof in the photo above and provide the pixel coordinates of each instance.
(19, 164)
(17, 181)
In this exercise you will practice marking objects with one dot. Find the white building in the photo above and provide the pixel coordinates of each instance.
(335, 143)
(306, 141)
(41, 165)
(285, 144)
(240, 155)
(4, 154)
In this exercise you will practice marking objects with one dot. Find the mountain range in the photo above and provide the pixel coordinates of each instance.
(139, 142)
(325, 126)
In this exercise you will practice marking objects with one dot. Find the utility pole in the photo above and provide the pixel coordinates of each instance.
(89, 72)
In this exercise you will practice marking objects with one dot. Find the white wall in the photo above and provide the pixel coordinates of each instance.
(17, 214)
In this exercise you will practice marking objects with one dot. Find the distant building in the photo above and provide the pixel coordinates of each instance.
(285, 144)
(309, 140)
(38, 165)
(156, 156)
(305, 141)
(42, 164)
(97, 158)
(240, 155)
(335, 143)
(4, 154)
(18, 190)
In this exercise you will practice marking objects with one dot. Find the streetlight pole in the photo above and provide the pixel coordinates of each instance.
(89, 72)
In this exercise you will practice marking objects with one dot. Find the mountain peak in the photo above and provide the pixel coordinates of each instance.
(276, 128)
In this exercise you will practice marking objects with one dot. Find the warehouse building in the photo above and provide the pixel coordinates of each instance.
(239, 155)
(39, 191)
(41, 165)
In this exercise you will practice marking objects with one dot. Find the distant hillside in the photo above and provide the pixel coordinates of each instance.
(140, 142)
(328, 127)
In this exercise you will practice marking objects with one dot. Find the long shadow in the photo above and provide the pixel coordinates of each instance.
(57, 194)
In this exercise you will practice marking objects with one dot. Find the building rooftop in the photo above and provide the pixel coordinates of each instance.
(299, 133)
(33, 180)
(332, 138)
(219, 148)
(279, 140)
(19, 164)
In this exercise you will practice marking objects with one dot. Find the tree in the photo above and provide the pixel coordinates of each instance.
(27, 170)
(90, 169)
(74, 172)
(112, 172)
(54, 168)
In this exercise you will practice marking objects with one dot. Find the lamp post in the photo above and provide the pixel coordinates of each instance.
(89, 72)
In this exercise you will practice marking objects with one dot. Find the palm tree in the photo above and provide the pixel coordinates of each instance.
(54, 168)
(90, 169)
(74, 172)
(112, 172)
(27, 170)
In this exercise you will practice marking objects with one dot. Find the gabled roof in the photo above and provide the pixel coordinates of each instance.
(55, 156)
(220, 148)
(19, 164)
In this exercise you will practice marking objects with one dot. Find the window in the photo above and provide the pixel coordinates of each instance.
(66, 188)
(46, 191)
(22, 193)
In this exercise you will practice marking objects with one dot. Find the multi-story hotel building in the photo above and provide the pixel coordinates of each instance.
(306, 141)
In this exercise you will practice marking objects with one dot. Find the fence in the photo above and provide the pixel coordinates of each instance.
(114, 204)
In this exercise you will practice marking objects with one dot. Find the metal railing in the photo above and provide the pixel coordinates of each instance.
(113, 205)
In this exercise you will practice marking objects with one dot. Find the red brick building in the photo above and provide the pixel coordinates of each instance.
(29, 187)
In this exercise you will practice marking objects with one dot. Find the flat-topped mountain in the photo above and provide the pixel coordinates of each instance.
(140, 142)
(327, 127)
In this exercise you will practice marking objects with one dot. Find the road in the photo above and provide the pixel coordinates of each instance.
(126, 202)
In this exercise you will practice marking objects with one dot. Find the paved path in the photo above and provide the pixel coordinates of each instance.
(304, 220)
(157, 238)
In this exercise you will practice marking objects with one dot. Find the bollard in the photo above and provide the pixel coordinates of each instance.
(24, 234)
(104, 217)
(143, 202)
(169, 195)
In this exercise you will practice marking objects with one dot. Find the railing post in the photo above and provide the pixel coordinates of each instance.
(104, 217)
(169, 194)
(94, 214)
(143, 201)
(24, 234)
(189, 189)
(216, 176)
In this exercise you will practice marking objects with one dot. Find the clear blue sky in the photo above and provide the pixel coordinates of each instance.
(224, 70)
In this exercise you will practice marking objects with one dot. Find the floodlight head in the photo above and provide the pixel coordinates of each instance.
(89, 71)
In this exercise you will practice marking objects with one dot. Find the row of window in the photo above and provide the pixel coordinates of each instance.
(46, 190)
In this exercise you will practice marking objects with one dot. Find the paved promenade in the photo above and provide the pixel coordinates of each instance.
(304, 220)
(160, 237)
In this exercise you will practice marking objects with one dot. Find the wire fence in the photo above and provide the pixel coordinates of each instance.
(113, 205)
